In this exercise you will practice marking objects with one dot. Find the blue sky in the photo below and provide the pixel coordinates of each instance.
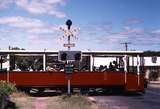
(100, 24)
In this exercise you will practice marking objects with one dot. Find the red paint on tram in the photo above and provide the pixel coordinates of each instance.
(78, 79)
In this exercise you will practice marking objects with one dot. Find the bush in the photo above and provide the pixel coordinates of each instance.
(6, 89)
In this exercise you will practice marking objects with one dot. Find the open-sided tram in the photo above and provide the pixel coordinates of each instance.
(46, 69)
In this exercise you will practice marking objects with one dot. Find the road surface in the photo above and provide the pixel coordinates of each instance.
(150, 100)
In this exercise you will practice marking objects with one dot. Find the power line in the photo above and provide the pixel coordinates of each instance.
(126, 45)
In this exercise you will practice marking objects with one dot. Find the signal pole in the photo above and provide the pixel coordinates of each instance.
(126, 45)
(69, 33)
(69, 23)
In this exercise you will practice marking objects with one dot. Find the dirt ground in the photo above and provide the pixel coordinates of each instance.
(52, 102)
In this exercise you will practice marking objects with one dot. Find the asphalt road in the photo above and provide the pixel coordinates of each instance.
(150, 100)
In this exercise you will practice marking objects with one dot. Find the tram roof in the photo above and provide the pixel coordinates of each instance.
(112, 52)
(28, 52)
(56, 52)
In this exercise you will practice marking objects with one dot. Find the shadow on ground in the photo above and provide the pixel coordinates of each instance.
(95, 93)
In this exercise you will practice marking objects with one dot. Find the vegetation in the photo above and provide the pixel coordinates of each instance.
(6, 89)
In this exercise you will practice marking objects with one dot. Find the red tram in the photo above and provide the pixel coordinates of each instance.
(45, 70)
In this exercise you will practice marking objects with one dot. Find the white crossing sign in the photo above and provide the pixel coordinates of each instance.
(69, 45)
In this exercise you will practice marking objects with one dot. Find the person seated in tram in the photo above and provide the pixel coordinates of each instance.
(105, 68)
(17, 69)
(94, 68)
(100, 68)
(30, 69)
(49, 68)
(84, 68)
(61, 68)
(111, 66)
(115, 66)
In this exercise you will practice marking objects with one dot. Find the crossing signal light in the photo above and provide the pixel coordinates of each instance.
(69, 55)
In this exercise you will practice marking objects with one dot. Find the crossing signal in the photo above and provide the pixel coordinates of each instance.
(69, 55)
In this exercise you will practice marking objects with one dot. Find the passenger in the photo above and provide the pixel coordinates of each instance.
(94, 68)
(101, 68)
(84, 68)
(111, 66)
(115, 65)
(30, 69)
(48, 68)
(61, 67)
(147, 73)
(105, 68)
(17, 69)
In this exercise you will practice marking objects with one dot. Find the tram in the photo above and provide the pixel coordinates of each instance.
(46, 69)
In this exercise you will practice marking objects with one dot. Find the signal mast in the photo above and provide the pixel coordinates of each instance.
(69, 66)
(69, 33)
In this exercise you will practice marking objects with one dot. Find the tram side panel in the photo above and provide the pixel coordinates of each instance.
(59, 79)
(135, 83)
(78, 79)
(3, 76)
(87, 79)
(97, 79)
(38, 79)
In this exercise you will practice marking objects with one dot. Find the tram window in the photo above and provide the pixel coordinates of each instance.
(26, 63)
(63, 56)
(82, 65)
(78, 56)
(132, 64)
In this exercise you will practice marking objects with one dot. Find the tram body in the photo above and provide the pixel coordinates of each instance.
(125, 80)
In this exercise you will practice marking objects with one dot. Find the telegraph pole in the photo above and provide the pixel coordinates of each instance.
(126, 45)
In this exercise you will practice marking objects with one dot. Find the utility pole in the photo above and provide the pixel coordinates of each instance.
(126, 45)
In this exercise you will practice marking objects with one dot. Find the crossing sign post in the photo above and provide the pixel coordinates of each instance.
(69, 71)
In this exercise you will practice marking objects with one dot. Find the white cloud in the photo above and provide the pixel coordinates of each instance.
(157, 31)
(42, 7)
(37, 7)
(29, 28)
(5, 3)
(21, 22)
(40, 31)
(132, 21)
(139, 37)
(30, 25)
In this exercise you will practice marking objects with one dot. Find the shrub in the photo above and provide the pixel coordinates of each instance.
(6, 88)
